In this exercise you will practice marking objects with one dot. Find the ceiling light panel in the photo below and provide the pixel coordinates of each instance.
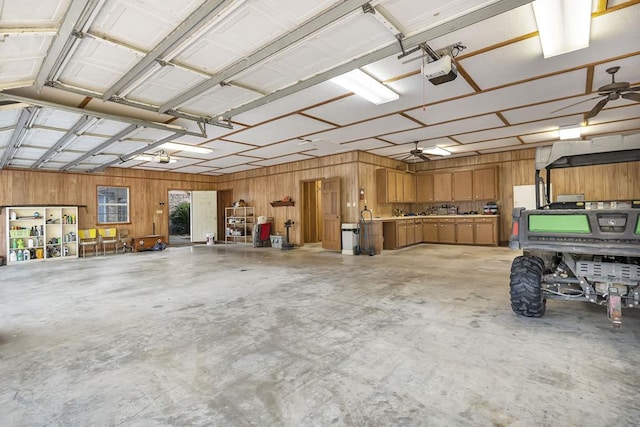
(185, 147)
(563, 25)
(365, 86)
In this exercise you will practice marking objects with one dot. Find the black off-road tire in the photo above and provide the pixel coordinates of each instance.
(526, 288)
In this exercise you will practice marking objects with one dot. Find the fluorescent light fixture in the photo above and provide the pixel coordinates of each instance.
(186, 147)
(148, 158)
(563, 25)
(436, 151)
(365, 86)
(570, 132)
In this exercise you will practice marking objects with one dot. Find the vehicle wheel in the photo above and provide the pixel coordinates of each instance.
(526, 288)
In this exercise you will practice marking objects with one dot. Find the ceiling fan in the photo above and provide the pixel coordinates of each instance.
(610, 92)
(415, 154)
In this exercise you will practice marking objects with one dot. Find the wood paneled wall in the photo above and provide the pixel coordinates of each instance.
(261, 186)
(146, 190)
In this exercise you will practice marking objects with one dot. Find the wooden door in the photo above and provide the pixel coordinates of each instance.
(424, 187)
(442, 187)
(331, 214)
(462, 185)
(204, 215)
(225, 200)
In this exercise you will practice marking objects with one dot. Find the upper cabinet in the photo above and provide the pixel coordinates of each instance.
(442, 187)
(485, 183)
(424, 187)
(462, 186)
(479, 184)
(395, 187)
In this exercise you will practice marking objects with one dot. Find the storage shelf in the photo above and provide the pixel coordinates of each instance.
(239, 220)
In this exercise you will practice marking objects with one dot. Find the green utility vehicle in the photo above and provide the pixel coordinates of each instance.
(578, 250)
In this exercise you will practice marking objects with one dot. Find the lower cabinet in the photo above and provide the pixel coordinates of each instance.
(458, 230)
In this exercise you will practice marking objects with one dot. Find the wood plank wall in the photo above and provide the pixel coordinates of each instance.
(146, 190)
(261, 186)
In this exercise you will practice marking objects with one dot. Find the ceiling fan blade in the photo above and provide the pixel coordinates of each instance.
(577, 103)
(595, 110)
(634, 89)
(632, 96)
(423, 157)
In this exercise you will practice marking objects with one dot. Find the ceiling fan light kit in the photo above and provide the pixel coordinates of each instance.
(563, 25)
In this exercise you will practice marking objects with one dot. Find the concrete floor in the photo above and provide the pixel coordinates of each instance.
(234, 336)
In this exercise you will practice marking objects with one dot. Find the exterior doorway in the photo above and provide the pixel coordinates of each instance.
(312, 211)
(179, 217)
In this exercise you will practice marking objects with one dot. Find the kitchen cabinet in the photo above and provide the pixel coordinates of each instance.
(408, 188)
(442, 187)
(401, 232)
(462, 186)
(447, 231)
(417, 230)
(430, 230)
(465, 231)
(395, 187)
(424, 188)
(485, 183)
(386, 186)
(486, 231)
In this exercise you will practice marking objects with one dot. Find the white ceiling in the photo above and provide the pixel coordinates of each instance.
(154, 71)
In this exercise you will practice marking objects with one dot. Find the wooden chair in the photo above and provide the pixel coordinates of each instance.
(108, 236)
(124, 240)
(88, 237)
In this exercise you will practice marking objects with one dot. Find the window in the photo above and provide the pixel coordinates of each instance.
(113, 205)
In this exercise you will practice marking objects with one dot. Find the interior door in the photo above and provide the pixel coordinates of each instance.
(331, 219)
(204, 215)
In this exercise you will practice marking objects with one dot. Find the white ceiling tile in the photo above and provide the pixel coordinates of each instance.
(445, 129)
(193, 169)
(311, 96)
(412, 91)
(238, 168)
(376, 127)
(522, 129)
(393, 150)
(224, 162)
(613, 127)
(484, 145)
(549, 88)
(279, 130)
(223, 148)
(365, 144)
(279, 149)
(281, 160)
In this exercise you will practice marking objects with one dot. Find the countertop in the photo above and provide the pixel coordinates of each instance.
(396, 218)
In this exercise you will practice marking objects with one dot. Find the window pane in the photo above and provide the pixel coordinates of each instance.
(113, 204)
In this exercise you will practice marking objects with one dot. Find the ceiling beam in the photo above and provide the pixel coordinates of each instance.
(107, 116)
(27, 116)
(129, 156)
(79, 14)
(97, 150)
(71, 133)
(182, 33)
(474, 17)
(295, 36)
